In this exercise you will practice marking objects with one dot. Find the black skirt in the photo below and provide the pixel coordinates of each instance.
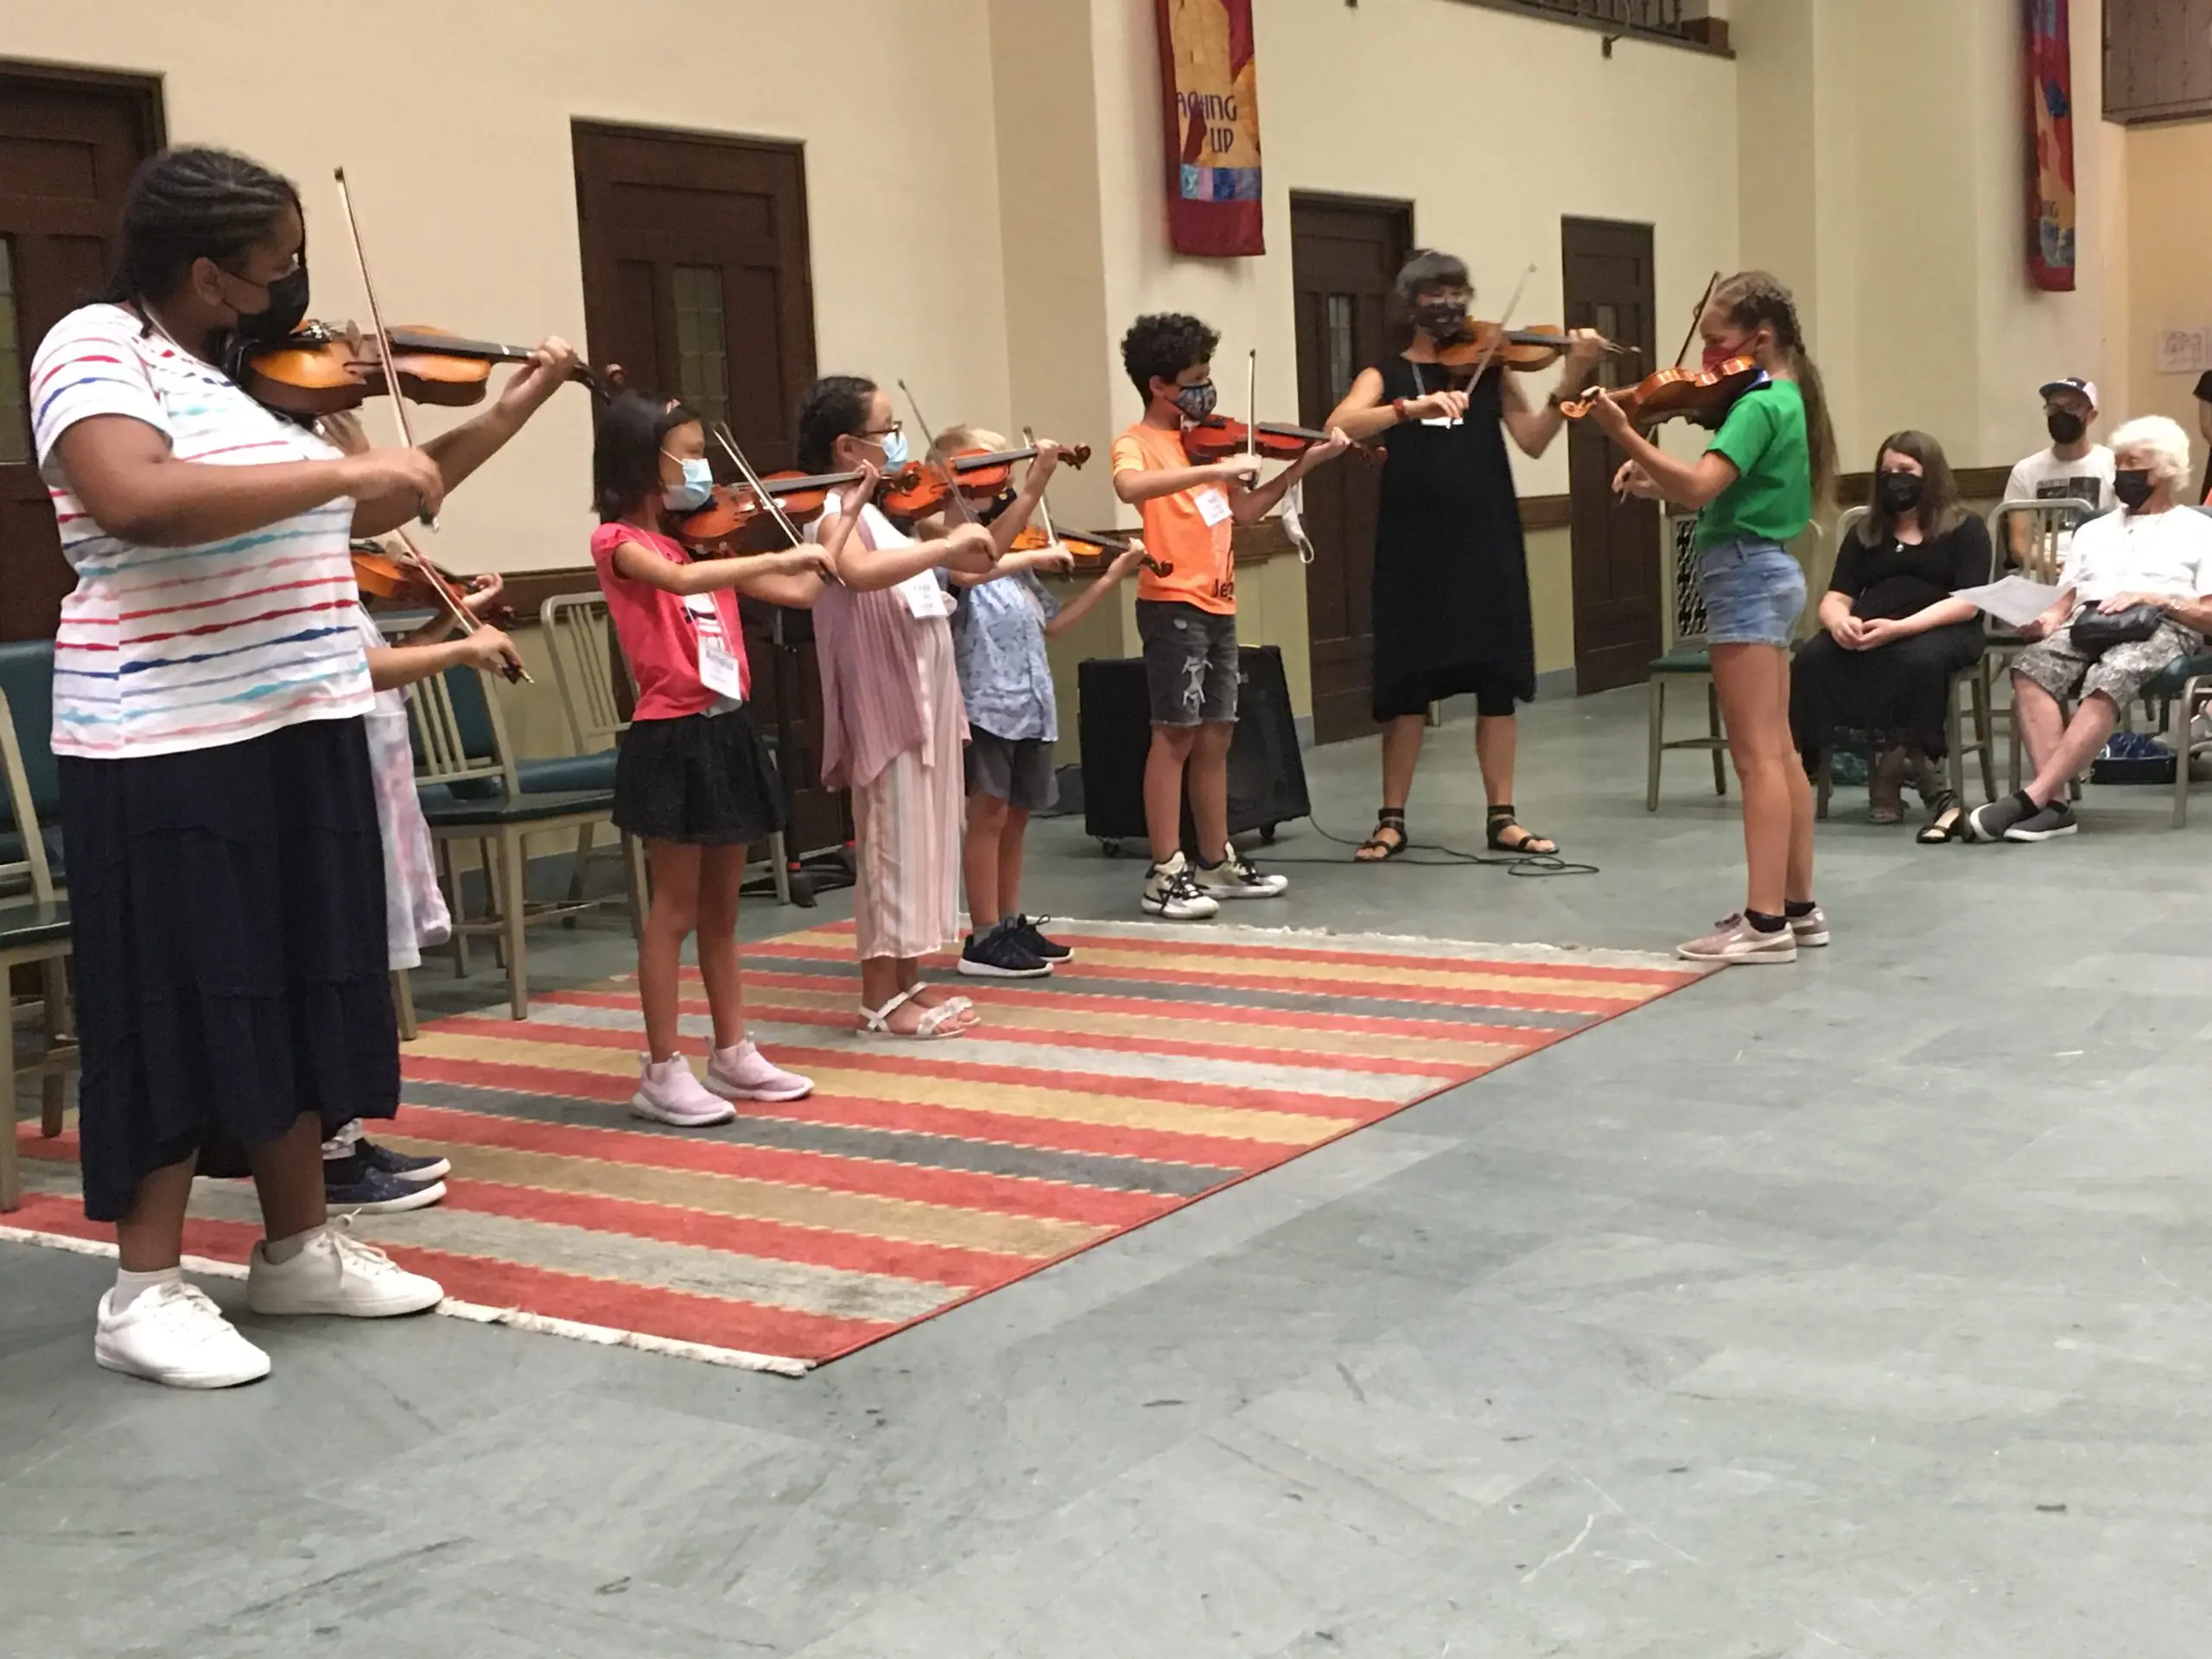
(702, 779)
(227, 911)
(1895, 694)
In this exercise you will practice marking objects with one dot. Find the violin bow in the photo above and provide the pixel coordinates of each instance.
(937, 457)
(516, 673)
(1505, 323)
(1696, 317)
(773, 507)
(1252, 405)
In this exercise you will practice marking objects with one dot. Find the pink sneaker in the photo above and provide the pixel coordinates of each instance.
(669, 1093)
(743, 1072)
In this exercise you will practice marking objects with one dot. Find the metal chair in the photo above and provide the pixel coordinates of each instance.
(1968, 679)
(26, 683)
(34, 928)
(2038, 558)
(470, 795)
(1684, 661)
(587, 657)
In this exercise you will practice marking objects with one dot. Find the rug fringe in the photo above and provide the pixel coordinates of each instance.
(475, 1312)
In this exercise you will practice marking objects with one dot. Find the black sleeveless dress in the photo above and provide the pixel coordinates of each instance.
(1451, 594)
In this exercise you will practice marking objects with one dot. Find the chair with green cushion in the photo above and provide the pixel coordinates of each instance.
(34, 929)
(1683, 663)
(470, 792)
(27, 681)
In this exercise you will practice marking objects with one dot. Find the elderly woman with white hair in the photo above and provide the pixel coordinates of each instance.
(2134, 596)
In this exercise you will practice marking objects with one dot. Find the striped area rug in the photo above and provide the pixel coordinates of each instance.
(1161, 1065)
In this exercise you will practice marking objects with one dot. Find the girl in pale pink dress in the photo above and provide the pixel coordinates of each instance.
(894, 725)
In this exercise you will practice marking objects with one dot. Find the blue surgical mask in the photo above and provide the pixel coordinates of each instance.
(696, 489)
(895, 451)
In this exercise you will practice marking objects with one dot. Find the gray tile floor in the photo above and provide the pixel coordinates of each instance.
(1864, 1307)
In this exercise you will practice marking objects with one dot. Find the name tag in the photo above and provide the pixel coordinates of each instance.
(923, 597)
(1213, 507)
(719, 670)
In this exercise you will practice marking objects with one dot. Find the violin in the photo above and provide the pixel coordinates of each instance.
(323, 367)
(1088, 548)
(1524, 350)
(976, 472)
(1218, 437)
(1704, 396)
(413, 579)
(736, 515)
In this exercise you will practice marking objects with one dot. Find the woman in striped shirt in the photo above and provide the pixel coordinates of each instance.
(225, 878)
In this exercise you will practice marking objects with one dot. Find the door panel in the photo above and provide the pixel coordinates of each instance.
(1344, 255)
(68, 147)
(1607, 268)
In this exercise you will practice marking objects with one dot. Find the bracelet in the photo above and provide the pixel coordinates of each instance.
(1398, 408)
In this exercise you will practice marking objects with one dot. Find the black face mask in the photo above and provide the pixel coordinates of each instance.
(1899, 492)
(2133, 487)
(2064, 426)
(286, 311)
(1442, 321)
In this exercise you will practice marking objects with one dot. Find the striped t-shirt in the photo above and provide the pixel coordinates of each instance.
(164, 649)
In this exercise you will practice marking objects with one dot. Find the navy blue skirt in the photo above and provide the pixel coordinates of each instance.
(228, 913)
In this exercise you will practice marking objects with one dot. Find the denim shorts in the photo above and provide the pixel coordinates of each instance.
(1190, 663)
(1753, 591)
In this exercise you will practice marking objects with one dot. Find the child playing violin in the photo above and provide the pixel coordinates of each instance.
(693, 781)
(1186, 610)
(999, 633)
(893, 721)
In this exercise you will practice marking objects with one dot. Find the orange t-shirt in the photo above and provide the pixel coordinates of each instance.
(1189, 529)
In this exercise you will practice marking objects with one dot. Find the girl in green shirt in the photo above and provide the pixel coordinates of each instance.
(1754, 489)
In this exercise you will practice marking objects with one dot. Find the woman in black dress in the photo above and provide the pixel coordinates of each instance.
(1894, 634)
(1451, 596)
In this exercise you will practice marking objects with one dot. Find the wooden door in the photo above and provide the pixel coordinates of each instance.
(1607, 268)
(1344, 255)
(695, 281)
(68, 146)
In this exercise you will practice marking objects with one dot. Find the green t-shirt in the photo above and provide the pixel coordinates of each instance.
(1772, 497)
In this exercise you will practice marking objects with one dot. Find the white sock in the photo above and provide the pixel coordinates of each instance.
(278, 1251)
(130, 1286)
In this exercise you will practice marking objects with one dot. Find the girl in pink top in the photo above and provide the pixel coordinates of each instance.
(693, 781)
(893, 724)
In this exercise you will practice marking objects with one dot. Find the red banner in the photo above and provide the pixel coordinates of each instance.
(1210, 98)
(2050, 139)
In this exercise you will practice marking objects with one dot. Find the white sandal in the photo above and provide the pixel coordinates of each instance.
(876, 1022)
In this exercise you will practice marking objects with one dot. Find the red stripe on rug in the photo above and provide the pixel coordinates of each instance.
(683, 1316)
(948, 1189)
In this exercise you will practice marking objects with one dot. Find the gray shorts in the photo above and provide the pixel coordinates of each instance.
(1016, 770)
(2121, 673)
(1190, 663)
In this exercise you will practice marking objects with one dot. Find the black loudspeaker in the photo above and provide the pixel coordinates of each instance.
(1267, 775)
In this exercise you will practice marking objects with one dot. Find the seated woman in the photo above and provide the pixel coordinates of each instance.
(1895, 635)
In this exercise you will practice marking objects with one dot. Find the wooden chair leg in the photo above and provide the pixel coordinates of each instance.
(1657, 704)
(60, 1027)
(402, 1002)
(450, 870)
(511, 864)
(1720, 738)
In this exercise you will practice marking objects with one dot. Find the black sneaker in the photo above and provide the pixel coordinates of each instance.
(1024, 928)
(2054, 821)
(351, 1183)
(399, 1164)
(1994, 821)
(1000, 954)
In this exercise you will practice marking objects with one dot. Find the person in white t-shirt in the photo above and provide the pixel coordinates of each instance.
(2155, 554)
(2073, 468)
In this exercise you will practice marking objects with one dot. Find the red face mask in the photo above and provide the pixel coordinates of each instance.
(1716, 355)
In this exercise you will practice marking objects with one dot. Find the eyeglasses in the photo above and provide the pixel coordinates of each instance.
(880, 433)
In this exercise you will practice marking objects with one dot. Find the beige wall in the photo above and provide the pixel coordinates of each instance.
(2169, 186)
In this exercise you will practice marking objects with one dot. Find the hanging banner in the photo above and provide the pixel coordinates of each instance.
(2050, 142)
(1209, 95)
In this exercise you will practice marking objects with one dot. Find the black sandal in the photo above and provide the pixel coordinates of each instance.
(1530, 846)
(1390, 818)
(1948, 824)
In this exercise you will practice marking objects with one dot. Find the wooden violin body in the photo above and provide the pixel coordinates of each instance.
(735, 519)
(977, 472)
(1217, 437)
(1703, 395)
(324, 368)
(1088, 548)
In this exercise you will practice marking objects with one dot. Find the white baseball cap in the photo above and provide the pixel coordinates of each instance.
(2087, 388)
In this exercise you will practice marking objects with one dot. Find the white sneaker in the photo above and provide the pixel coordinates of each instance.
(174, 1334)
(1737, 943)
(743, 1072)
(1170, 891)
(338, 1275)
(669, 1093)
(1811, 928)
(1236, 877)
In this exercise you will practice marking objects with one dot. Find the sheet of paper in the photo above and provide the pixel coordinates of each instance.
(2012, 601)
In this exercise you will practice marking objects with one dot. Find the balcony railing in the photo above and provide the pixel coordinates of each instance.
(1667, 21)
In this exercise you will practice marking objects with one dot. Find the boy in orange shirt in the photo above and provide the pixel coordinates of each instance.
(1186, 610)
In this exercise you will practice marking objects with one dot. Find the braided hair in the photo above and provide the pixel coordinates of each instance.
(1753, 299)
(191, 204)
